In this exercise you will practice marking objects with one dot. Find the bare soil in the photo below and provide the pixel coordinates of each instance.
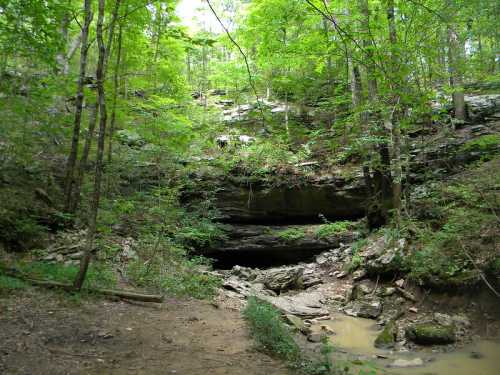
(42, 332)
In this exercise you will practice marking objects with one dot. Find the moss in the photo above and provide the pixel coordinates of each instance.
(386, 338)
(431, 334)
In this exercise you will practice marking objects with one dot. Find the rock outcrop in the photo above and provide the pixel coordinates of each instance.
(482, 107)
(275, 244)
(335, 200)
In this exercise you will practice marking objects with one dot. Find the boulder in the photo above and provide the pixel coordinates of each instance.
(304, 304)
(380, 257)
(283, 278)
(430, 334)
(298, 324)
(480, 107)
(244, 273)
(369, 308)
(387, 338)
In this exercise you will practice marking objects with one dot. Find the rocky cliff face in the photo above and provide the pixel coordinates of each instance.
(258, 211)
(336, 199)
(260, 245)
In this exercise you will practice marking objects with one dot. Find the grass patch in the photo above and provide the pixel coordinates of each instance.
(99, 275)
(333, 229)
(269, 331)
(273, 336)
(9, 284)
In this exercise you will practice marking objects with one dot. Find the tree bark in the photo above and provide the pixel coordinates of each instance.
(111, 33)
(82, 165)
(393, 118)
(100, 75)
(367, 44)
(455, 52)
(70, 167)
(381, 179)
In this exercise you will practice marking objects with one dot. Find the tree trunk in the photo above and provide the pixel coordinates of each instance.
(70, 167)
(82, 165)
(367, 44)
(111, 33)
(455, 51)
(115, 94)
(286, 116)
(393, 118)
(381, 185)
(100, 74)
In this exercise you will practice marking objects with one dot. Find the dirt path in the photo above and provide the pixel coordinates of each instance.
(41, 333)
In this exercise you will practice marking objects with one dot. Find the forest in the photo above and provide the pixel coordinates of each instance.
(249, 187)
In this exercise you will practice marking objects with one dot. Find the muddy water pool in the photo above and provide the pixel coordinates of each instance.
(356, 337)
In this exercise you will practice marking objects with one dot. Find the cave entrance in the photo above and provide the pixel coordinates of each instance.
(261, 259)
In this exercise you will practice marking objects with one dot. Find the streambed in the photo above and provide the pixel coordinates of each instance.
(356, 336)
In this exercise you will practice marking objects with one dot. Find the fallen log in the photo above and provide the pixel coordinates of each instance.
(69, 288)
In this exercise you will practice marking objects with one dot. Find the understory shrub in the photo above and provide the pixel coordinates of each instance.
(273, 336)
(291, 235)
(163, 266)
(332, 229)
(453, 246)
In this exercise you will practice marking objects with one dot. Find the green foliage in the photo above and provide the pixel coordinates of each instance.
(19, 231)
(269, 330)
(291, 235)
(333, 229)
(164, 267)
(9, 284)
(273, 336)
(265, 160)
(100, 275)
(198, 232)
(451, 245)
(487, 145)
(356, 260)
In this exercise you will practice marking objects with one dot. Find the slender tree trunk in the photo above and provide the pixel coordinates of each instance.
(64, 30)
(115, 94)
(286, 116)
(70, 166)
(367, 44)
(356, 88)
(204, 84)
(393, 118)
(82, 165)
(381, 179)
(455, 52)
(188, 67)
(111, 33)
(455, 75)
(100, 74)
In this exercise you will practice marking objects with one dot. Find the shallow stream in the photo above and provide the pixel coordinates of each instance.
(356, 336)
